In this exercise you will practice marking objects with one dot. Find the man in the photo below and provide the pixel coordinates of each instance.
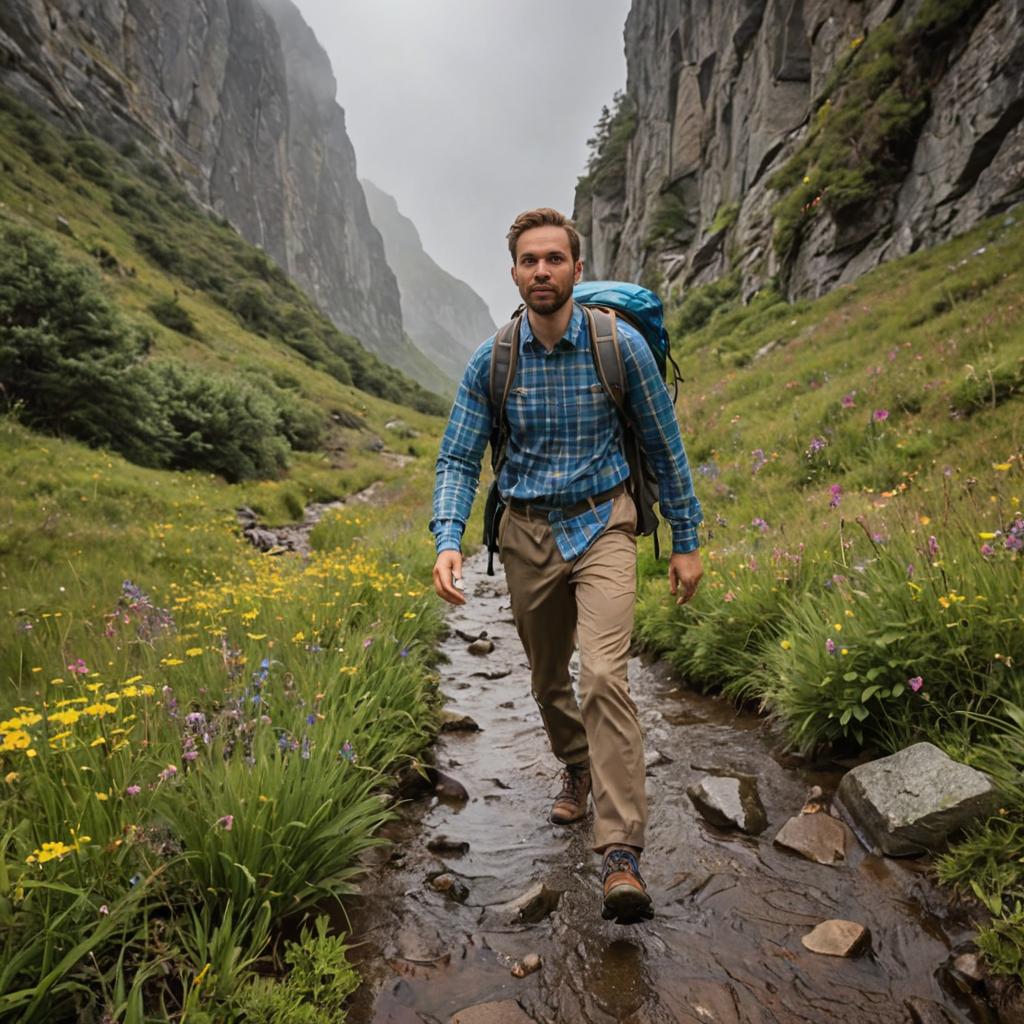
(568, 540)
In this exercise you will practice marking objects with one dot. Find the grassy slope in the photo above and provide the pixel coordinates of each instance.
(860, 460)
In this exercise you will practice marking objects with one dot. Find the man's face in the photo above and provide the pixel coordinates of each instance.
(544, 270)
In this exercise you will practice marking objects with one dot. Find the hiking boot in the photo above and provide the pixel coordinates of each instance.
(625, 892)
(571, 803)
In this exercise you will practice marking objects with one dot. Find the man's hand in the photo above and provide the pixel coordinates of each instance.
(684, 573)
(447, 569)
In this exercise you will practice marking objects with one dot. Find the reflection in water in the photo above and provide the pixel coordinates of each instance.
(616, 977)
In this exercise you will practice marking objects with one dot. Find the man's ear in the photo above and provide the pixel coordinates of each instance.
(579, 272)
(514, 278)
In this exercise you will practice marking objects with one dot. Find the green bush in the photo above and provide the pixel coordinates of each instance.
(172, 314)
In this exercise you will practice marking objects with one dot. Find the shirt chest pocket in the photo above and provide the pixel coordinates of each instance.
(592, 413)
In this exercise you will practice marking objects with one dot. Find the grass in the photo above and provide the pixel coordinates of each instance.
(860, 460)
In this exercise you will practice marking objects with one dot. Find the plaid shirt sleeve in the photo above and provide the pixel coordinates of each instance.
(649, 406)
(457, 471)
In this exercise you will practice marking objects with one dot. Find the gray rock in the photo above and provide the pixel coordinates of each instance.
(837, 938)
(818, 837)
(924, 1011)
(530, 908)
(453, 722)
(454, 888)
(64, 228)
(505, 1011)
(481, 646)
(914, 800)
(444, 845)
(969, 967)
(730, 802)
(446, 787)
(655, 758)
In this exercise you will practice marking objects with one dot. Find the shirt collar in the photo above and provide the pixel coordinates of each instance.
(572, 332)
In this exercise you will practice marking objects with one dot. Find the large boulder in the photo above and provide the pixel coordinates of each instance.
(912, 801)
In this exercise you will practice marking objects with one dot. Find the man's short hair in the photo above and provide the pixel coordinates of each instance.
(544, 216)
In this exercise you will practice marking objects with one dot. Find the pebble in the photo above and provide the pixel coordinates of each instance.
(837, 938)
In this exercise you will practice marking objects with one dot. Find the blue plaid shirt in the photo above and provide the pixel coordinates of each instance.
(564, 439)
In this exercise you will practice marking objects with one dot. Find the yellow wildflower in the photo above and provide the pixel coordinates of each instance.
(193, 652)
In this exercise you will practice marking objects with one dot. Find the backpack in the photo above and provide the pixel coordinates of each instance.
(603, 302)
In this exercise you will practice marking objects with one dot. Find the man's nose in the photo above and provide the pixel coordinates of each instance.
(542, 270)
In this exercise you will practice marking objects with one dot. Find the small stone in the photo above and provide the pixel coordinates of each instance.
(529, 964)
(968, 966)
(481, 647)
(448, 788)
(442, 883)
(655, 758)
(453, 722)
(508, 705)
(730, 802)
(837, 938)
(506, 1011)
(818, 837)
(450, 847)
(64, 227)
(454, 888)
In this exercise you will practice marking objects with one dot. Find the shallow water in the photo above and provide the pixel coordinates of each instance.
(730, 909)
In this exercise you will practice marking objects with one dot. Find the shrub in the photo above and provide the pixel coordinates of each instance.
(253, 304)
(172, 314)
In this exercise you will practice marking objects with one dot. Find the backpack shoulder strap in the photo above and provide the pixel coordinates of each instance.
(504, 357)
(604, 346)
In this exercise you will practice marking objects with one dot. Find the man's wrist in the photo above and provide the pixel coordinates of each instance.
(684, 539)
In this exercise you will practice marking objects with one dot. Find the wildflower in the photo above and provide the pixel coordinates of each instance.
(830, 646)
(78, 667)
(190, 755)
(910, 570)
(880, 415)
(24, 627)
(1013, 542)
(847, 401)
(132, 790)
(193, 652)
(227, 822)
(728, 596)
(760, 461)
(404, 652)
(915, 683)
(103, 910)
(816, 445)
(785, 645)
(933, 547)
(758, 522)
(10, 778)
(367, 642)
(102, 797)
(987, 550)
(168, 773)
(837, 495)
(348, 752)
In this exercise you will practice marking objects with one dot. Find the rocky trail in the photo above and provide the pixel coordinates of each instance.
(479, 885)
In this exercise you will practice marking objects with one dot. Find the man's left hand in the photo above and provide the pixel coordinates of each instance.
(684, 573)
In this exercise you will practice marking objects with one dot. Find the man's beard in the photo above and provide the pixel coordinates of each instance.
(549, 301)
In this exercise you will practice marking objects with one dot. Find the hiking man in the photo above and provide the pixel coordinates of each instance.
(567, 539)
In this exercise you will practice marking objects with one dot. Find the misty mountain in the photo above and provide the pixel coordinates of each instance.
(443, 316)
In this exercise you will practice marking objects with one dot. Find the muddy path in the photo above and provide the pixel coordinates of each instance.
(724, 946)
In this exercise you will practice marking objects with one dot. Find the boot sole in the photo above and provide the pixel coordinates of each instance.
(626, 904)
(566, 821)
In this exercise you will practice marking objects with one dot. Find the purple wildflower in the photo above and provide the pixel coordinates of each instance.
(933, 547)
(830, 646)
(910, 570)
(816, 445)
(227, 822)
(1013, 542)
(347, 751)
(847, 401)
(758, 522)
(837, 495)
(78, 667)
(168, 773)
(880, 415)
(132, 790)
(311, 719)
(915, 683)
(987, 550)
(760, 461)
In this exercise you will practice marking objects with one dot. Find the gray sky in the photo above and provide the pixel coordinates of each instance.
(470, 111)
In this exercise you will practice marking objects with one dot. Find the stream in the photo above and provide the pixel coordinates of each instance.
(725, 944)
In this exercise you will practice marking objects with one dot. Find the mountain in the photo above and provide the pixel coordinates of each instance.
(799, 143)
(239, 98)
(445, 318)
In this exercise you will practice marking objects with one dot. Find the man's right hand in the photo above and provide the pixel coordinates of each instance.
(448, 568)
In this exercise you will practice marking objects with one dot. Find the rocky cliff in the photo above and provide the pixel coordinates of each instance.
(445, 318)
(239, 97)
(802, 142)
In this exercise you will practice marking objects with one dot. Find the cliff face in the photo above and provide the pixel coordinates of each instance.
(241, 99)
(804, 140)
(445, 318)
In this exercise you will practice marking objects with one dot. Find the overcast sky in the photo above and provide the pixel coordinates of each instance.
(470, 111)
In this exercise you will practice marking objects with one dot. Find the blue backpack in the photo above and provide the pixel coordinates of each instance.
(603, 302)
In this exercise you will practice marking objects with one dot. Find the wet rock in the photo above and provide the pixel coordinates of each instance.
(837, 938)
(506, 1011)
(470, 637)
(448, 847)
(818, 837)
(262, 540)
(815, 801)
(420, 947)
(530, 963)
(530, 908)
(481, 647)
(655, 758)
(246, 516)
(924, 1011)
(730, 802)
(454, 888)
(915, 799)
(448, 788)
(500, 673)
(508, 705)
(967, 967)
(452, 722)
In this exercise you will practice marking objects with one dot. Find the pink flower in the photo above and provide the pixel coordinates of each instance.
(837, 494)
(830, 646)
(132, 790)
(367, 642)
(915, 683)
(933, 547)
(728, 596)
(880, 415)
(847, 401)
(226, 822)
(104, 909)
(168, 773)
(987, 550)
(79, 667)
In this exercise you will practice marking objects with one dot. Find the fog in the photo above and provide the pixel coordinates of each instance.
(470, 111)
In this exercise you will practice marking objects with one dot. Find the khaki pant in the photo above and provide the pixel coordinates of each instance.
(592, 598)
